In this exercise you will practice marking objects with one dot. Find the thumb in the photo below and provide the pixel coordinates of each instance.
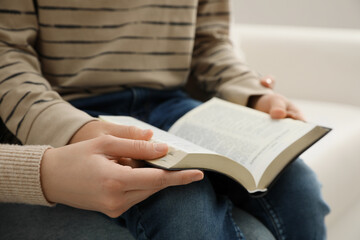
(129, 132)
(277, 108)
(95, 129)
(129, 148)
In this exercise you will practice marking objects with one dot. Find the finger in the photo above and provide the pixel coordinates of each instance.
(278, 108)
(152, 178)
(268, 82)
(136, 149)
(295, 113)
(129, 132)
(295, 116)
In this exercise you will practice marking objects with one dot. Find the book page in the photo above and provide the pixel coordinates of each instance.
(159, 135)
(247, 136)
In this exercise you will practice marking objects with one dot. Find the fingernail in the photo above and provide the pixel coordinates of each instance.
(146, 132)
(198, 177)
(268, 81)
(161, 147)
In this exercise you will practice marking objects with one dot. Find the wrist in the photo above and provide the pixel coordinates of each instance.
(46, 169)
(89, 130)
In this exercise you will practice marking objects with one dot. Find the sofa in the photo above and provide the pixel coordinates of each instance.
(319, 70)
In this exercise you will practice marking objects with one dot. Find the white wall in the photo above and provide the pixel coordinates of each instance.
(312, 13)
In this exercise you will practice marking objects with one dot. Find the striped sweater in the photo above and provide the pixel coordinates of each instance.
(52, 51)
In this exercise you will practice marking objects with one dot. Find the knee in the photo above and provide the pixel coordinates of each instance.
(301, 182)
(193, 202)
(183, 212)
(302, 205)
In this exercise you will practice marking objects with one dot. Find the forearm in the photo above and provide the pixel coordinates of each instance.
(28, 103)
(215, 66)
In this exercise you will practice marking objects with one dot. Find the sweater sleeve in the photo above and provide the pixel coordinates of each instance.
(20, 174)
(28, 105)
(215, 66)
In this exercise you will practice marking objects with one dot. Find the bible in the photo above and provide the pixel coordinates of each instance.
(242, 143)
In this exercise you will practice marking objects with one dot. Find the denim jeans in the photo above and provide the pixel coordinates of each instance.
(292, 209)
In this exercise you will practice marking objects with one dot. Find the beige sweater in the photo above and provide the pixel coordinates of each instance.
(66, 49)
(20, 174)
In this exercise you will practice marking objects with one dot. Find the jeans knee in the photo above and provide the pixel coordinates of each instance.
(294, 206)
(184, 212)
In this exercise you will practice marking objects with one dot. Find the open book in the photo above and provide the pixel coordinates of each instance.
(242, 143)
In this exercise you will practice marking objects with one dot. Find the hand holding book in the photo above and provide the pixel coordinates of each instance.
(277, 106)
(242, 143)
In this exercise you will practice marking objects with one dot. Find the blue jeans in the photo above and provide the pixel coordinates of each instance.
(292, 209)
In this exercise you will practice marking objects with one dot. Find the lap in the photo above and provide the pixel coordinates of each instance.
(160, 108)
(294, 197)
(192, 211)
(19, 221)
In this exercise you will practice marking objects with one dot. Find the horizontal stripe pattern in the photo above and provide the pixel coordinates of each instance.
(63, 58)
(92, 47)
(114, 26)
(160, 50)
(15, 12)
(116, 70)
(184, 38)
(16, 105)
(109, 9)
(28, 110)
(18, 29)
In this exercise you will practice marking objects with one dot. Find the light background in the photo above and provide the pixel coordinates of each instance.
(311, 13)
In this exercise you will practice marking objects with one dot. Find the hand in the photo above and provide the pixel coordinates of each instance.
(278, 107)
(101, 175)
